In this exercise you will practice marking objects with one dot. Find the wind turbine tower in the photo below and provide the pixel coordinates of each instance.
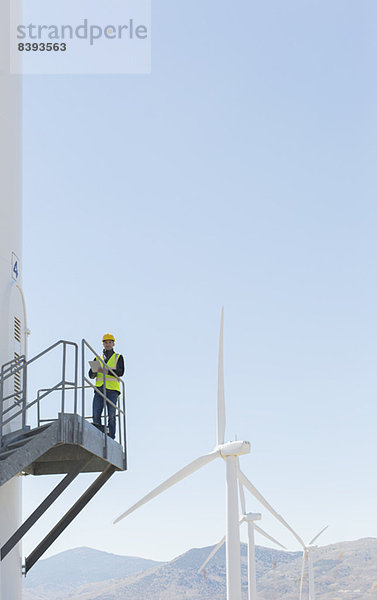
(26, 444)
(12, 314)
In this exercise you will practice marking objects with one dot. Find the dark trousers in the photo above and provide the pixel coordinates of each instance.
(98, 406)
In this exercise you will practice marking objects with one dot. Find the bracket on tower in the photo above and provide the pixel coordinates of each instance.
(47, 502)
(68, 518)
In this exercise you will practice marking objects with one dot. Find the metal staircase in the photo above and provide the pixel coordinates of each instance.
(63, 443)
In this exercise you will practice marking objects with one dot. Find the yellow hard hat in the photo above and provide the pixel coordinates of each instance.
(108, 336)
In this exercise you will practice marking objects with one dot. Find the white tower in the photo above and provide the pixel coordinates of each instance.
(12, 316)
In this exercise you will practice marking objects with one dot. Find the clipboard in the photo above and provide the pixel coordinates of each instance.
(95, 365)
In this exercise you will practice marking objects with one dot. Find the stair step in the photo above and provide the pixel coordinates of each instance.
(14, 435)
(17, 444)
(22, 436)
(36, 430)
(5, 454)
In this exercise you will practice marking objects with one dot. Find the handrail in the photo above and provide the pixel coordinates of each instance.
(19, 364)
(29, 362)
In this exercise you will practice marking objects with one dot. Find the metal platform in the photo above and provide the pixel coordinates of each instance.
(57, 448)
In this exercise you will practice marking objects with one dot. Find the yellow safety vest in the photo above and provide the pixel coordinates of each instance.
(112, 383)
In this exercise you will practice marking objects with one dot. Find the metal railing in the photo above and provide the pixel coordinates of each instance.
(41, 394)
(20, 407)
(120, 407)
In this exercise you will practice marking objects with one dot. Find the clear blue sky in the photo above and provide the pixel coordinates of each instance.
(241, 172)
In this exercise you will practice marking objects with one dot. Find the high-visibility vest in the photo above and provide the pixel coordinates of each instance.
(112, 383)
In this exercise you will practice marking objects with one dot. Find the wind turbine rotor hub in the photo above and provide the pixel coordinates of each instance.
(234, 448)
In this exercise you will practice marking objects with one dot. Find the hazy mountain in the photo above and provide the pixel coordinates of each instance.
(58, 576)
(347, 570)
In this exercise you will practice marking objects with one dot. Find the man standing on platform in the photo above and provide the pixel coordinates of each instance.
(115, 362)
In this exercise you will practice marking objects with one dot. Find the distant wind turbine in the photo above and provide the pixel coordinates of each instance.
(307, 549)
(250, 519)
(307, 556)
(229, 452)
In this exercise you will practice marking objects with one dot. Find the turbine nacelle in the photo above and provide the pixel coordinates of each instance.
(236, 448)
(251, 517)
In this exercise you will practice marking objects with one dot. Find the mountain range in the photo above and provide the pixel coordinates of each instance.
(343, 571)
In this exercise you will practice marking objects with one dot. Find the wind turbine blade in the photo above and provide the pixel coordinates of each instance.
(317, 536)
(187, 470)
(216, 548)
(263, 501)
(212, 554)
(242, 493)
(269, 537)
(220, 387)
